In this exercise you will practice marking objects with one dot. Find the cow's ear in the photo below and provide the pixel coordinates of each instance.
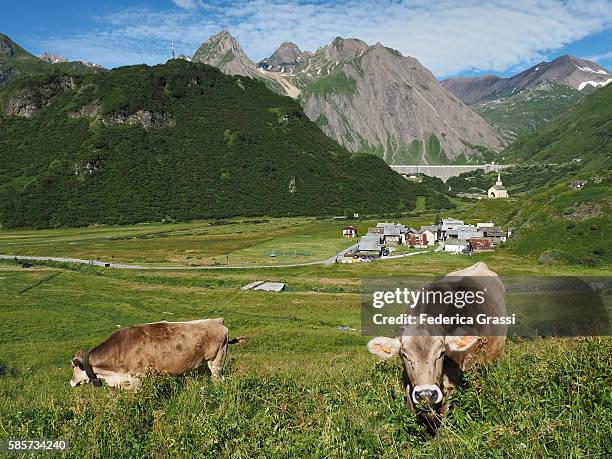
(462, 341)
(384, 347)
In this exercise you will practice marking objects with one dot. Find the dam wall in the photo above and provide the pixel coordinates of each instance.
(446, 172)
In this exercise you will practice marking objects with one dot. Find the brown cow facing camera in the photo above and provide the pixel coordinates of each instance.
(433, 360)
(166, 348)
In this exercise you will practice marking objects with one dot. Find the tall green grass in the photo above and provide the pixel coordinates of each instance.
(300, 387)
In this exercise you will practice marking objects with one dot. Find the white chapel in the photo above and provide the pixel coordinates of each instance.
(498, 190)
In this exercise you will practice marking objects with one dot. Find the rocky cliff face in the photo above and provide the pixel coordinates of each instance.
(6, 49)
(566, 70)
(371, 98)
(27, 102)
(368, 98)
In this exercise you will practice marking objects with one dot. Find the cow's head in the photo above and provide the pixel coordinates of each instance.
(423, 360)
(79, 375)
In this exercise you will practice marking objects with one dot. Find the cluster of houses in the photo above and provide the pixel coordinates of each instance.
(453, 235)
(458, 237)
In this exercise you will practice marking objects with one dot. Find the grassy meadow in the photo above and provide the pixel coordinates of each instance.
(205, 243)
(299, 386)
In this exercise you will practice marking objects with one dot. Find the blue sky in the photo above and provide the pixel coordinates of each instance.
(450, 37)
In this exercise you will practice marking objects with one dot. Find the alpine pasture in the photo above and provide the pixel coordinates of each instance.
(299, 386)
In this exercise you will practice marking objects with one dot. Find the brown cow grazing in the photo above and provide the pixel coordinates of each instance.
(433, 363)
(171, 348)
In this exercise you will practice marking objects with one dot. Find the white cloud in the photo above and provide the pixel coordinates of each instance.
(447, 36)
(600, 57)
(188, 4)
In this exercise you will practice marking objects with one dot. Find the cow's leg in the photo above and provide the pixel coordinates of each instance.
(216, 365)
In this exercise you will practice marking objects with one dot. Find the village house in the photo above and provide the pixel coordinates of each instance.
(349, 231)
(480, 245)
(456, 246)
(495, 234)
(391, 234)
(422, 240)
(463, 232)
(369, 248)
(447, 225)
(434, 230)
(429, 237)
(498, 190)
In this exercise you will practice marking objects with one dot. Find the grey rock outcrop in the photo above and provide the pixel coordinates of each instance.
(51, 58)
(27, 102)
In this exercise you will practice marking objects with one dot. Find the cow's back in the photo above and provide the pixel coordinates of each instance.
(492, 343)
(161, 347)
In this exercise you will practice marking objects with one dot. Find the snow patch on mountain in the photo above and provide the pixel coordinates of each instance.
(589, 69)
(595, 84)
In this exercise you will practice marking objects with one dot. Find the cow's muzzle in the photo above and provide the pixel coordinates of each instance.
(427, 394)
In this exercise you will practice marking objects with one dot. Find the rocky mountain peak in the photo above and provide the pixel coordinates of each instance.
(286, 53)
(375, 99)
(346, 48)
(566, 70)
(284, 59)
(369, 98)
(224, 52)
(223, 41)
(51, 58)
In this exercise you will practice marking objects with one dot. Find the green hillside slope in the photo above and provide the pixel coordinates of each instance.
(528, 110)
(561, 194)
(582, 134)
(180, 140)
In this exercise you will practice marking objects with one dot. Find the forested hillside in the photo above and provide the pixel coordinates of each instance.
(179, 141)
